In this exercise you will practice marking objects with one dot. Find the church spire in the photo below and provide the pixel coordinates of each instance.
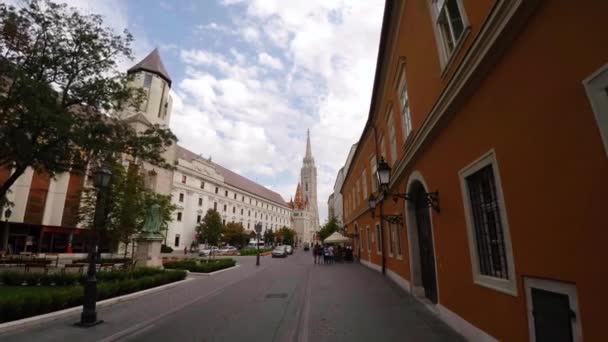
(308, 156)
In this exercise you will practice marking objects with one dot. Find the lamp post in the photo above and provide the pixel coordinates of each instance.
(88, 318)
(258, 230)
(7, 215)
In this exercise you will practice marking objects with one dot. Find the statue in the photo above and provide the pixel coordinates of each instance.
(152, 222)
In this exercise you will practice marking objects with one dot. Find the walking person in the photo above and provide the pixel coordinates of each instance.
(331, 254)
(315, 253)
(325, 255)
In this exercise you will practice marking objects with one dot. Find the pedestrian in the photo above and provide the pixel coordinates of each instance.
(331, 254)
(315, 253)
(185, 250)
(325, 255)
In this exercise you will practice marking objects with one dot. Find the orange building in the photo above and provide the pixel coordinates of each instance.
(493, 118)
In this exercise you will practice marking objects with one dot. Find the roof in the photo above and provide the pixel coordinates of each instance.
(152, 63)
(234, 179)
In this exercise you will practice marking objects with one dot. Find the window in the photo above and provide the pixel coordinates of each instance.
(378, 239)
(243, 199)
(373, 166)
(398, 240)
(181, 197)
(235, 195)
(184, 178)
(241, 211)
(215, 206)
(248, 212)
(450, 21)
(369, 240)
(255, 215)
(176, 242)
(200, 202)
(225, 207)
(147, 80)
(198, 219)
(364, 181)
(250, 201)
(233, 210)
(596, 87)
(357, 191)
(404, 103)
(226, 193)
(179, 216)
(306, 186)
(391, 239)
(216, 189)
(224, 221)
(391, 137)
(202, 185)
(487, 228)
(383, 148)
(248, 225)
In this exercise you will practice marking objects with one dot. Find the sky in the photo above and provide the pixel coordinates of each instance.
(251, 76)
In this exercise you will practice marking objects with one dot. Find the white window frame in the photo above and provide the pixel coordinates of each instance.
(503, 285)
(392, 136)
(378, 233)
(405, 109)
(446, 56)
(391, 240)
(557, 287)
(364, 184)
(369, 240)
(596, 86)
(373, 164)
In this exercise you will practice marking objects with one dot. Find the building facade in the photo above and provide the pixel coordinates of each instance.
(337, 198)
(200, 184)
(493, 119)
(305, 211)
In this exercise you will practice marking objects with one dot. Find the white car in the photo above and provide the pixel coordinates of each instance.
(228, 250)
(211, 250)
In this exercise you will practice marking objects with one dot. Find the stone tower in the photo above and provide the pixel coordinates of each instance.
(308, 179)
(151, 75)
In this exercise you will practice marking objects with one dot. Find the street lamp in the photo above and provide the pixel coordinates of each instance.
(101, 181)
(258, 230)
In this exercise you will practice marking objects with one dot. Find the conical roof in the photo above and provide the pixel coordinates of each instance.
(152, 63)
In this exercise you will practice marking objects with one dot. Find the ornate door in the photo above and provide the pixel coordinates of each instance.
(425, 243)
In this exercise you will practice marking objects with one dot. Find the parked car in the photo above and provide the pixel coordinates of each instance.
(210, 250)
(228, 250)
(306, 246)
(289, 249)
(279, 252)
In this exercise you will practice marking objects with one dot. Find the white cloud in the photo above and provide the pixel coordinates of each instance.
(270, 61)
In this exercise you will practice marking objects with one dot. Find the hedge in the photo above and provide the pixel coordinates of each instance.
(26, 261)
(253, 251)
(103, 261)
(38, 303)
(200, 266)
(166, 249)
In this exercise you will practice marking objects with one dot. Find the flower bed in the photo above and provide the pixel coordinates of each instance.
(201, 266)
(253, 251)
(24, 295)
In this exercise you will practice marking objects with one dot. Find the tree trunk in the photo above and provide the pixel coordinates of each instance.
(11, 180)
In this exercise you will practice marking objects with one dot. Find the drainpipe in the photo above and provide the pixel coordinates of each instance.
(381, 237)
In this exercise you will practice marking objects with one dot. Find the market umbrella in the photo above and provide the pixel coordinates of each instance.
(336, 238)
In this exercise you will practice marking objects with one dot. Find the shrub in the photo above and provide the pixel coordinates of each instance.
(104, 261)
(44, 301)
(26, 261)
(253, 251)
(166, 249)
(202, 266)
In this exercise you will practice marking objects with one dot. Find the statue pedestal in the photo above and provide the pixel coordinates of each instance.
(148, 251)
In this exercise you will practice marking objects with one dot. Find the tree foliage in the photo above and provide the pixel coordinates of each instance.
(269, 236)
(330, 227)
(210, 229)
(286, 236)
(60, 92)
(127, 201)
(233, 234)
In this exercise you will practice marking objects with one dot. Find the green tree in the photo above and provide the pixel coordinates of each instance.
(128, 201)
(286, 235)
(232, 234)
(269, 236)
(60, 92)
(329, 228)
(210, 229)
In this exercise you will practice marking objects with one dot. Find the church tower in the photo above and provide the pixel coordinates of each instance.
(308, 179)
(152, 77)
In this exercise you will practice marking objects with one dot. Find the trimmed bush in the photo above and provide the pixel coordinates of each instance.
(26, 261)
(18, 306)
(253, 251)
(201, 266)
(166, 249)
(103, 261)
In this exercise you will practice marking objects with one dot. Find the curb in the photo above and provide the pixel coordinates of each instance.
(200, 274)
(55, 315)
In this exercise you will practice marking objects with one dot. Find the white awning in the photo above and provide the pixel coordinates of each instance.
(336, 238)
